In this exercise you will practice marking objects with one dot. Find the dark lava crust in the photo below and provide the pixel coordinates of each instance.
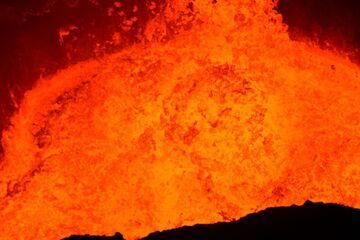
(310, 221)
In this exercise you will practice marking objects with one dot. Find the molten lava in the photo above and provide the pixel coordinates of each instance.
(216, 114)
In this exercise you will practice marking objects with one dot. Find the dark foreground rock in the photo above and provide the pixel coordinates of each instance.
(117, 236)
(310, 221)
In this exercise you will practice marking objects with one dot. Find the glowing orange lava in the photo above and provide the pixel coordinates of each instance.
(225, 117)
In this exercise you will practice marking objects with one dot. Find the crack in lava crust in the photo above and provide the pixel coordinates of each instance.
(223, 119)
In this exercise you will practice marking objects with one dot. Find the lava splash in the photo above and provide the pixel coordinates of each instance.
(219, 118)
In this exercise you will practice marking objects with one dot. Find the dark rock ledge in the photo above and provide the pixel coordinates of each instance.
(309, 221)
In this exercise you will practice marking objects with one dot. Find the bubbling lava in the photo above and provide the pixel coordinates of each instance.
(220, 118)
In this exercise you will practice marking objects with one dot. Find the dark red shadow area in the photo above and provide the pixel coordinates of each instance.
(332, 24)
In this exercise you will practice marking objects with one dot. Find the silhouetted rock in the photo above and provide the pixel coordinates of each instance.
(310, 221)
(117, 236)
